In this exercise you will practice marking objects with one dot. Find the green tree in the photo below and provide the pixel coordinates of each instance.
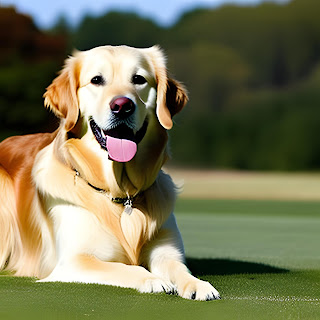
(116, 29)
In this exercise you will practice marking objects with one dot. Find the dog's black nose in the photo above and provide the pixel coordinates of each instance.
(122, 107)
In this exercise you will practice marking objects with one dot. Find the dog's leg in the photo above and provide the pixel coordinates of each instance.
(84, 248)
(89, 269)
(165, 258)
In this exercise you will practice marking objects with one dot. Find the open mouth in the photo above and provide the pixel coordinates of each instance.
(120, 142)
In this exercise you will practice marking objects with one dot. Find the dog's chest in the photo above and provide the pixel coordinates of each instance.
(78, 231)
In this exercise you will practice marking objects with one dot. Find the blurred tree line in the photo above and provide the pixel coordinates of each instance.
(253, 75)
(29, 60)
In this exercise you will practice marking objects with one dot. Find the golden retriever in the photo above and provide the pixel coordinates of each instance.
(89, 203)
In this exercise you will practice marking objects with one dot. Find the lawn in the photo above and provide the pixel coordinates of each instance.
(262, 255)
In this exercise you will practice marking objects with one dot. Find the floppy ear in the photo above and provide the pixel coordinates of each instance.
(61, 95)
(176, 96)
(171, 94)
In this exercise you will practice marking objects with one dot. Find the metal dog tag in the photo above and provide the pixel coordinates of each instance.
(128, 206)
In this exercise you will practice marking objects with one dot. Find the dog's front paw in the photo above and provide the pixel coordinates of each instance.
(156, 285)
(196, 289)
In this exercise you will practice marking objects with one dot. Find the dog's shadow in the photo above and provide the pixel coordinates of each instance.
(205, 267)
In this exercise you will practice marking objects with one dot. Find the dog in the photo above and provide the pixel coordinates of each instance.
(89, 202)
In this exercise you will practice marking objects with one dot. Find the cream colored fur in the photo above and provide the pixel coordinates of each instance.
(55, 225)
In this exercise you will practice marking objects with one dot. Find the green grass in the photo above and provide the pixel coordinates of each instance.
(249, 207)
(291, 295)
(263, 257)
(283, 234)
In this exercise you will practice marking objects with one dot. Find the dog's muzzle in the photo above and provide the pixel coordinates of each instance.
(120, 142)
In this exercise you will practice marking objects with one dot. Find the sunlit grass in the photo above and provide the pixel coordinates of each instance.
(262, 255)
(205, 184)
(291, 295)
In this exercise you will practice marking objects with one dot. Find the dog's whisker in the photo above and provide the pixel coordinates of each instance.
(103, 134)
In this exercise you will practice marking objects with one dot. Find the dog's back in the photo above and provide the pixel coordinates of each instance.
(16, 196)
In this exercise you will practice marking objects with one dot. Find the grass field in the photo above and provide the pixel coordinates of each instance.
(261, 254)
(248, 185)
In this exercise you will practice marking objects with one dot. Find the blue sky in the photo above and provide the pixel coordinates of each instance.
(164, 12)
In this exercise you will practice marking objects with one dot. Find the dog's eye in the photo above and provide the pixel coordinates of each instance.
(97, 80)
(137, 79)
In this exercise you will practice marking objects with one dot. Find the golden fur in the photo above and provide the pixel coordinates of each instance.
(57, 219)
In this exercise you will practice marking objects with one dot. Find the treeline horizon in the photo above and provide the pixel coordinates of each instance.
(252, 72)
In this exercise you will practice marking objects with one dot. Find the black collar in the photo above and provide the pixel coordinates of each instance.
(127, 202)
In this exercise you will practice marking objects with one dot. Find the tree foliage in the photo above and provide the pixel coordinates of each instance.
(253, 75)
(115, 28)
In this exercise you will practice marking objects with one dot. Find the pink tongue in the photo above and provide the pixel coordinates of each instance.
(121, 150)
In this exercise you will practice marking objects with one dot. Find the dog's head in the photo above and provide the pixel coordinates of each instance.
(116, 92)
